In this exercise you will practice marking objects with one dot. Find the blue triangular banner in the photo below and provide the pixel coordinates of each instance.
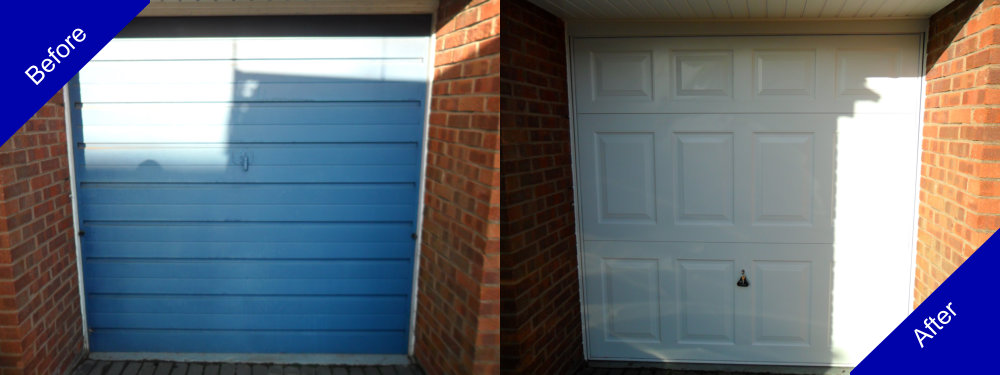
(952, 331)
(46, 43)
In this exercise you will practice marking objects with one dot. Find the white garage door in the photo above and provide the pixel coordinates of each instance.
(788, 160)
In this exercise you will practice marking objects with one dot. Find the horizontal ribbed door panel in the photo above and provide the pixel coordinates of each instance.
(250, 194)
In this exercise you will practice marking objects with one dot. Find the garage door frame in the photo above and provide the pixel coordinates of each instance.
(348, 359)
(576, 29)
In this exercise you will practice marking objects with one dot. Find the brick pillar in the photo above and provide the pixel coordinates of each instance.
(40, 317)
(458, 307)
(959, 193)
(540, 313)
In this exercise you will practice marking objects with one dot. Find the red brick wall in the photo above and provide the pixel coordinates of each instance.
(540, 312)
(959, 193)
(458, 307)
(40, 318)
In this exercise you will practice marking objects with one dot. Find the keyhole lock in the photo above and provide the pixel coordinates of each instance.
(743, 279)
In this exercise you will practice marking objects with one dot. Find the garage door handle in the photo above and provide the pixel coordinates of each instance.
(743, 279)
(245, 160)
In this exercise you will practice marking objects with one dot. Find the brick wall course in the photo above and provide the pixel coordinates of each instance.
(458, 307)
(960, 174)
(541, 327)
(40, 317)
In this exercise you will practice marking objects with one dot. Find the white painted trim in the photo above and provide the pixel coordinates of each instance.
(638, 28)
(288, 8)
(68, 110)
(925, 41)
(414, 295)
(302, 359)
(578, 224)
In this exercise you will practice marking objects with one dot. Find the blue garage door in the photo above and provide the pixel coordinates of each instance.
(253, 193)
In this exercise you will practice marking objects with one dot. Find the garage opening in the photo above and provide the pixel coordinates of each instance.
(736, 193)
(250, 184)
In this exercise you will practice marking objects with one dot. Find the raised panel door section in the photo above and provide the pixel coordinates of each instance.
(621, 159)
(716, 178)
(704, 178)
(631, 299)
(703, 74)
(869, 76)
(785, 73)
(625, 177)
(706, 301)
(782, 303)
(863, 72)
(679, 300)
(622, 76)
(784, 178)
(625, 292)
(845, 74)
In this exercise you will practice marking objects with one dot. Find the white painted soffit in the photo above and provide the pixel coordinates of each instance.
(160, 8)
(741, 9)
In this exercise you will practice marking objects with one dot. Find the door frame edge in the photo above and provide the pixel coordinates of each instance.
(421, 189)
(75, 208)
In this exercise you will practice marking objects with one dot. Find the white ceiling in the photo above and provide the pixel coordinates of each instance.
(740, 9)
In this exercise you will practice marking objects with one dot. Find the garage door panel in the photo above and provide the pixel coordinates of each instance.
(707, 301)
(702, 74)
(263, 48)
(622, 76)
(230, 115)
(704, 181)
(108, 135)
(152, 172)
(208, 231)
(247, 250)
(220, 341)
(783, 301)
(784, 74)
(625, 311)
(248, 268)
(728, 178)
(821, 74)
(258, 71)
(251, 91)
(271, 286)
(784, 173)
(260, 154)
(290, 322)
(248, 305)
(625, 177)
(863, 73)
(703, 314)
(272, 194)
(250, 212)
(631, 299)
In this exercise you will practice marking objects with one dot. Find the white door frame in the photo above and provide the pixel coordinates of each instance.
(657, 28)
